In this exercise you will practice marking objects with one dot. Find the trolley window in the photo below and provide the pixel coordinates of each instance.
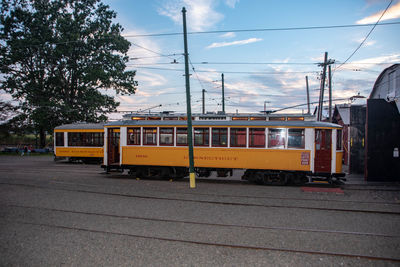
(97, 139)
(339, 140)
(276, 138)
(201, 136)
(238, 137)
(59, 139)
(75, 139)
(149, 136)
(86, 139)
(296, 138)
(256, 137)
(166, 136)
(134, 136)
(181, 137)
(219, 137)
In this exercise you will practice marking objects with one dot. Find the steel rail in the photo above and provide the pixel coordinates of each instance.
(207, 201)
(233, 246)
(263, 197)
(204, 223)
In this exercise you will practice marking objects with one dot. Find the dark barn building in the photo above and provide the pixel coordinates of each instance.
(353, 119)
(383, 128)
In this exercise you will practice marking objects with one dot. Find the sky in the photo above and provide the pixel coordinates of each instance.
(260, 68)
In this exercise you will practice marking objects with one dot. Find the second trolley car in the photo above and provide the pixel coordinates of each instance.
(79, 142)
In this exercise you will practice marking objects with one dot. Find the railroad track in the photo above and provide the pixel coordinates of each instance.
(214, 244)
(395, 188)
(231, 203)
(204, 223)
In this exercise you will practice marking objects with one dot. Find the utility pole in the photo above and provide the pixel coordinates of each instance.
(203, 100)
(223, 94)
(322, 87)
(188, 105)
(330, 93)
(308, 96)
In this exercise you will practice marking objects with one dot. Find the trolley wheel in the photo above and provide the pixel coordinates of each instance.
(259, 178)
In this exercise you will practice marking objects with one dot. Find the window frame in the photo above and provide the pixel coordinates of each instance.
(280, 146)
(171, 135)
(177, 133)
(234, 136)
(303, 140)
(205, 131)
(80, 139)
(250, 143)
(217, 131)
(154, 136)
(136, 131)
(339, 140)
(58, 138)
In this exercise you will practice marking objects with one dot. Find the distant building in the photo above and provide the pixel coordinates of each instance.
(383, 127)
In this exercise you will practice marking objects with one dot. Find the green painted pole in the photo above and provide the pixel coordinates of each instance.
(188, 105)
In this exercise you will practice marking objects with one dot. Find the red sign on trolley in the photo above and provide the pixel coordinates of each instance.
(305, 158)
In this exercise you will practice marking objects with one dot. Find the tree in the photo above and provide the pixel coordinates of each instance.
(7, 110)
(58, 58)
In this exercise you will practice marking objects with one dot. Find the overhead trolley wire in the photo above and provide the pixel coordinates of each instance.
(197, 76)
(220, 71)
(264, 29)
(157, 53)
(221, 31)
(366, 37)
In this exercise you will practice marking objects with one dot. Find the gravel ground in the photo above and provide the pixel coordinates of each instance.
(54, 214)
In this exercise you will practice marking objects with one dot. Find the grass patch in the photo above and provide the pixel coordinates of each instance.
(26, 155)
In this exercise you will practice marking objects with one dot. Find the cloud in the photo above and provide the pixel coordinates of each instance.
(372, 62)
(366, 43)
(150, 79)
(200, 13)
(392, 13)
(143, 50)
(241, 42)
(231, 3)
(228, 35)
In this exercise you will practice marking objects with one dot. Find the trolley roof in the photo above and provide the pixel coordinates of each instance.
(312, 124)
(78, 126)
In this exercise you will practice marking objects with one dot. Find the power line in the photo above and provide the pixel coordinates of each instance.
(137, 58)
(252, 63)
(366, 36)
(263, 29)
(152, 51)
(221, 31)
(221, 71)
(197, 76)
(230, 63)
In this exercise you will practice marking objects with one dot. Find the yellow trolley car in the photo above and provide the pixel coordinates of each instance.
(270, 152)
(79, 142)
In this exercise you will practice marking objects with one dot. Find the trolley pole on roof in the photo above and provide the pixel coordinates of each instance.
(188, 105)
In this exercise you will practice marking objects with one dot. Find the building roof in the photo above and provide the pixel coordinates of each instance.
(344, 112)
(380, 77)
(387, 85)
